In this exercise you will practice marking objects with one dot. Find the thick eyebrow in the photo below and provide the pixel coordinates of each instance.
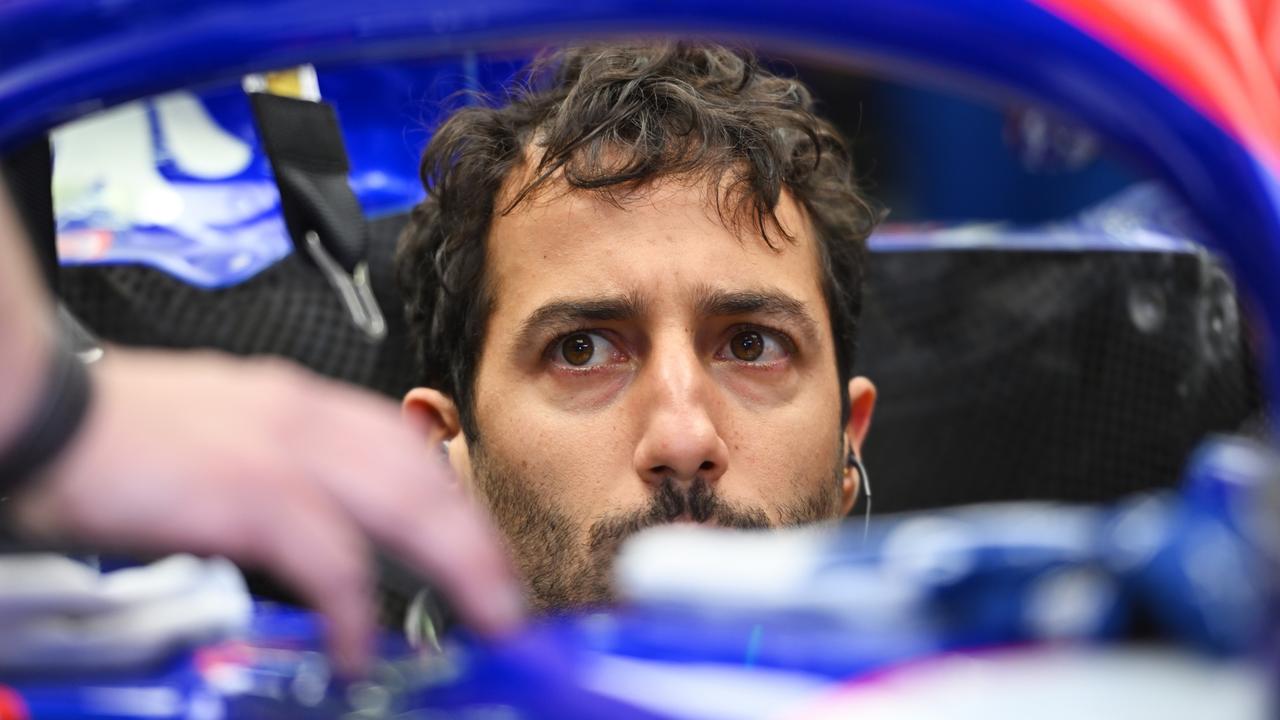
(719, 303)
(575, 311)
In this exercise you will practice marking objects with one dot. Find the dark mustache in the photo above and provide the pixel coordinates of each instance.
(669, 502)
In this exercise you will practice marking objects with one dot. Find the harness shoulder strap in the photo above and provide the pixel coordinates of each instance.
(303, 141)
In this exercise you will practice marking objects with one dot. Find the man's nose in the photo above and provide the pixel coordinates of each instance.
(681, 439)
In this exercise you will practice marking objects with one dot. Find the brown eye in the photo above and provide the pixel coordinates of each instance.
(578, 349)
(747, 345)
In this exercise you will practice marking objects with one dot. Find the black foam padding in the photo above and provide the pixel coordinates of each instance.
(287, 310)
(1081, 376)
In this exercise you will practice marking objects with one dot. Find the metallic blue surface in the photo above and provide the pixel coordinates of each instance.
(1227, 500)
(60, 60)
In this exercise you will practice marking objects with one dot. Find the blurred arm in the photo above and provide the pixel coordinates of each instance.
(26, 326)
(257, 460)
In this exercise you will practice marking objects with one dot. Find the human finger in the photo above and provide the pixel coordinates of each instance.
(311, 545)
(402, 497)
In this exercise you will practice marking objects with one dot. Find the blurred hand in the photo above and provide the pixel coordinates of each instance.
(272, 467)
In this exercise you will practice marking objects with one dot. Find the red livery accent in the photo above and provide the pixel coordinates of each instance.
(1222, 57)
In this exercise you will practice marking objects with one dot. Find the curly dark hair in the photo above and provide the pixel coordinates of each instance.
(611, 119)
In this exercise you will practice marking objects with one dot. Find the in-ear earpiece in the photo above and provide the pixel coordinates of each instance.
(856, 463)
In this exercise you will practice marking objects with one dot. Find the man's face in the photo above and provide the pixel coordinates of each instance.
(646, 364)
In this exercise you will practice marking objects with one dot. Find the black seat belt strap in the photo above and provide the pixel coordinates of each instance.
(303, 141)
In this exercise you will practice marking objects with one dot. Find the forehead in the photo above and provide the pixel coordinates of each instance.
(663, 242)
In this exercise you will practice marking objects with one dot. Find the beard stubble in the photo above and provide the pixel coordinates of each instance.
(561, 573)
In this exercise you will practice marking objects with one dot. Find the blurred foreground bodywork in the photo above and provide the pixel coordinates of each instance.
(816, 622)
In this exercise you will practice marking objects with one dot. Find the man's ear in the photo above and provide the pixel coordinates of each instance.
(432, 413)
(862, 403)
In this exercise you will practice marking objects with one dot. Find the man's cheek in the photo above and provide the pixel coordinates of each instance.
(568, 468)
(787, 460)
